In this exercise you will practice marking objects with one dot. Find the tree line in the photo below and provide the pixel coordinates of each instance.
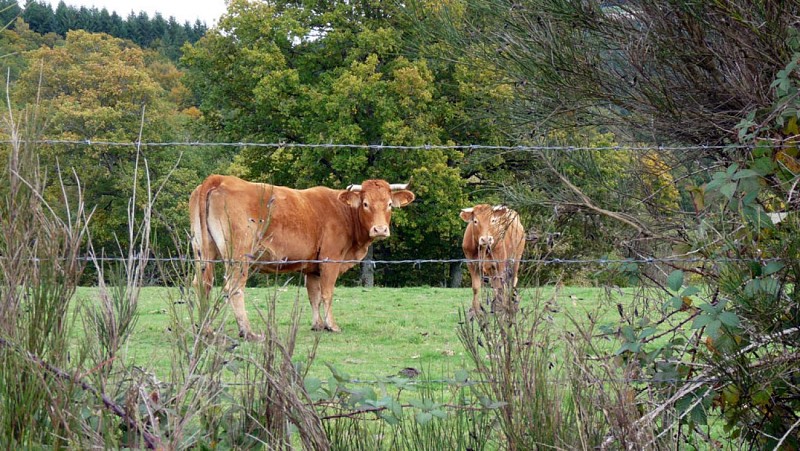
(166, 35)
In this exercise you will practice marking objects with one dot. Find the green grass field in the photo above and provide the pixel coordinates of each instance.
(384, 330)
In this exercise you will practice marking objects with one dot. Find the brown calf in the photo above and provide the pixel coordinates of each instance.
(494, 240)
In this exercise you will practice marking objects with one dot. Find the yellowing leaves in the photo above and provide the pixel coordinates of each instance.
(413, 83)
(659, 181)
(95, 87)
(788, 159)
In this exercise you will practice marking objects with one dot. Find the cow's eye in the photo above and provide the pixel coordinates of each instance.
(475, 221)
(366, 204)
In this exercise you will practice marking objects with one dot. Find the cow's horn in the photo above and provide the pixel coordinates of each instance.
(396, 186)
(354, 188)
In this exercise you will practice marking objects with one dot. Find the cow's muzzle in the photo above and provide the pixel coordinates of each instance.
(486, 241)
(379, 232)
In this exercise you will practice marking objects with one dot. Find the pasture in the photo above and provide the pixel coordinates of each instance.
(384, 330)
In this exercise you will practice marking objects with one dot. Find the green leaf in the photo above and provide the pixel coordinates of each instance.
(770, 285)
(729, 319)
(702, 321)
(675, 280)
(389, 419)
(728, 190)
(312, 384)
(764, 166)
(424, 418)
(628, 333)
(714, 184)
(396, 408)
(744, 173)
(690, 291)
(699, 415)
(761, 397)
(340, 375)
(418, 403)
(647, 332)
(758, 217)
(750, 197)
(712, 329)
(772, 268)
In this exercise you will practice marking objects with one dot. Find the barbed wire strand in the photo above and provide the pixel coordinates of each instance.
(522, 148)
(421, 261)
(401, 380)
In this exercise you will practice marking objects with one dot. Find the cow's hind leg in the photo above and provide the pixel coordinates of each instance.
(315, 297)
(235, 279)
(203, 277)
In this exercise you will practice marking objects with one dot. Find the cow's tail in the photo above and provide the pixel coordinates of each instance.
(205, 251)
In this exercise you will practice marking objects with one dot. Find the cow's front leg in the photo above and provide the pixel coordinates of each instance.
(315, 297)
(498, 283)
(329, 272)
(235, 280)
(476, 279)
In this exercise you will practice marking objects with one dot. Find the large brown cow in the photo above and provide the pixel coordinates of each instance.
(278, 229)
(494, 240)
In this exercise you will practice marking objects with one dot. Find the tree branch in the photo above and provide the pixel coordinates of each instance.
(151, 441)
(587, 203)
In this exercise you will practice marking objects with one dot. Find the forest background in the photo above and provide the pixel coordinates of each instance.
(286, 72)
(661, 136)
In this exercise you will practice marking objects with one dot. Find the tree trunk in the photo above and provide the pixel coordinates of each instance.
(368, 270)
(456, 274)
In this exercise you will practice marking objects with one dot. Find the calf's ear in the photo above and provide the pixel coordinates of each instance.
(466, 214)
(351, 198)
(401, 198)
(499, 210)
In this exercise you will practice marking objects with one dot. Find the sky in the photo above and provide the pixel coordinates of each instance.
(207, 11)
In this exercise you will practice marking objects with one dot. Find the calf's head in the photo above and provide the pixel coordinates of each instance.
(374, 200)
(489, 223)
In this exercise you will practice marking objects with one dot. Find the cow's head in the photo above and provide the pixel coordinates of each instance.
(489, 223)
(374, 201)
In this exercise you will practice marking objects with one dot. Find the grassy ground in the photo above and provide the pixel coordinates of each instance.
(384, 330)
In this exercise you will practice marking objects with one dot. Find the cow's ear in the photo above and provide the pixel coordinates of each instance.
(466, 214)
(499, 210)
(351, 198)
(401, 198)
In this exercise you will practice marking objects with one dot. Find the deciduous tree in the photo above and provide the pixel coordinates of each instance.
(320, 73)
(94, 88)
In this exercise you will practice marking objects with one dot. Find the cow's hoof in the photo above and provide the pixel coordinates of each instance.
(251, 337)
(473, 314)
(333, 328)
(318, 327)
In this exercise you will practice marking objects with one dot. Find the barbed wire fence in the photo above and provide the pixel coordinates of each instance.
(683, 259)
(292, 145)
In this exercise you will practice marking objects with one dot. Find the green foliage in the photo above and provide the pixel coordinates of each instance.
(285, 73)
(95, 87)
(654, 71)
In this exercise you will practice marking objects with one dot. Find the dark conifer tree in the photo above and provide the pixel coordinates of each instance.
(167, 36)
(9, 10)
(39, 16)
